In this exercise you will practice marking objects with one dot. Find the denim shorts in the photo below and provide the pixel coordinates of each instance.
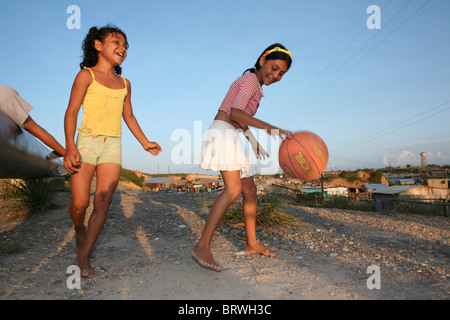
(100, 149)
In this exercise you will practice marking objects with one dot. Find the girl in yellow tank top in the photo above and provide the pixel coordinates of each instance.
(105, 97)
(99, 101)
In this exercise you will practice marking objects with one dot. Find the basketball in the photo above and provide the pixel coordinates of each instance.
(304, 156)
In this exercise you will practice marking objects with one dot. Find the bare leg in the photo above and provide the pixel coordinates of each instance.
(107, 179)
(249, 194)
(80, 189)
(202, 252)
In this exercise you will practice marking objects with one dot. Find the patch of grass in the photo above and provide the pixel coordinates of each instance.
(31, 195)
(203, 204)
(338, 202)
(308, 199)
(8, 192)
(425, 209)
(129, 175)
(269, 212)
(12, 249)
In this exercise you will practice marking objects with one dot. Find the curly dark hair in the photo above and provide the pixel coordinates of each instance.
(276, 55)
(90, 54)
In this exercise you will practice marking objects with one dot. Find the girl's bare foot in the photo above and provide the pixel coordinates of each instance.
(85, 267)
(257, 248)
(205, 259)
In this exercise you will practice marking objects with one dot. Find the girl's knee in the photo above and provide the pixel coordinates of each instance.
(233, 192)
(102, 201)
(77, 211)
(78, 207)
(249, 190)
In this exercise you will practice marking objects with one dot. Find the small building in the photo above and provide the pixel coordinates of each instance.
(401, 181)
(434, 173)
(367, 188)
(157, 183)
(372, 187)
(354, 194)
(328, 191)
(386, 199)
(209, 182)
(339, 191)
(437, 183)
(406, 181)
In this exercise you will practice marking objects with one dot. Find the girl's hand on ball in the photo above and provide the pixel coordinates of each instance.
(287, 134)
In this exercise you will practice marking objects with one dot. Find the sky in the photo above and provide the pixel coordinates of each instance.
(376, 89)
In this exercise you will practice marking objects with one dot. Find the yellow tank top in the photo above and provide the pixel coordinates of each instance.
(102, 109)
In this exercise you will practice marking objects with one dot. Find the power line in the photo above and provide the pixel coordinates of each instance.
(329, 64)
(373, 49)
(364, 57)
(348, 60)
(391, 129)
(332, 61)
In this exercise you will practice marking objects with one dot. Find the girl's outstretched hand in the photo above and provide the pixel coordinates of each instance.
(283, 134)
(287, 134)
(72, 160)
(152, 147)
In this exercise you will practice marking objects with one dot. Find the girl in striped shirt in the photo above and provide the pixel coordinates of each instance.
(223, 150)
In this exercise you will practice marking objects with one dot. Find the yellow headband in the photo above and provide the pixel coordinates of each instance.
(277, 49)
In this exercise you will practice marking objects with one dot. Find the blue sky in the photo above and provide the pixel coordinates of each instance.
(376, 97)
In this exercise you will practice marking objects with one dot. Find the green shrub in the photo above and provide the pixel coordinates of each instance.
(31, 195)
(338, 202)
(129, 175)
(12, 249)
(269, 212)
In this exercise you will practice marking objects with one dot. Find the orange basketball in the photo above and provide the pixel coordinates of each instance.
(304, 156)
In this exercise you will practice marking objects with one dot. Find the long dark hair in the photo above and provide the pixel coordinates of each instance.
(90, 54)
(276, 55)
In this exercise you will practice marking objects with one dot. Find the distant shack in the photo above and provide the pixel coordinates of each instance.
(159, 183)
(387, 199)
(174, 183)
(368, 188)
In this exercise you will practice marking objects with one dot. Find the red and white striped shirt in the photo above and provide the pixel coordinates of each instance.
(244, 94)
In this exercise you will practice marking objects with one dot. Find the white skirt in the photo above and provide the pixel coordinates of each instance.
(223, 150)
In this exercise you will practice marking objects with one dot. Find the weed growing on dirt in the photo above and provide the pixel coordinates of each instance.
(31, 196)
(13, 249)
(338, 202)
(269, 212)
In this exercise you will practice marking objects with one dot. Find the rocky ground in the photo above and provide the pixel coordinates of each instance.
(144, 253)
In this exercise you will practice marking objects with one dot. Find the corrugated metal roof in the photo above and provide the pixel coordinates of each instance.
(394, 189)
(157, 180)
(375, 186)
(310, 190)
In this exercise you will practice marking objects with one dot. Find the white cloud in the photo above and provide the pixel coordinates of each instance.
(437, 158)
(401, 159)
(409, 158)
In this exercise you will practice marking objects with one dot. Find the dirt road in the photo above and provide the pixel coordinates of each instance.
(144, 253)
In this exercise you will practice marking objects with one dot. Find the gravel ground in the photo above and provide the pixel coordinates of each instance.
(144, 253)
